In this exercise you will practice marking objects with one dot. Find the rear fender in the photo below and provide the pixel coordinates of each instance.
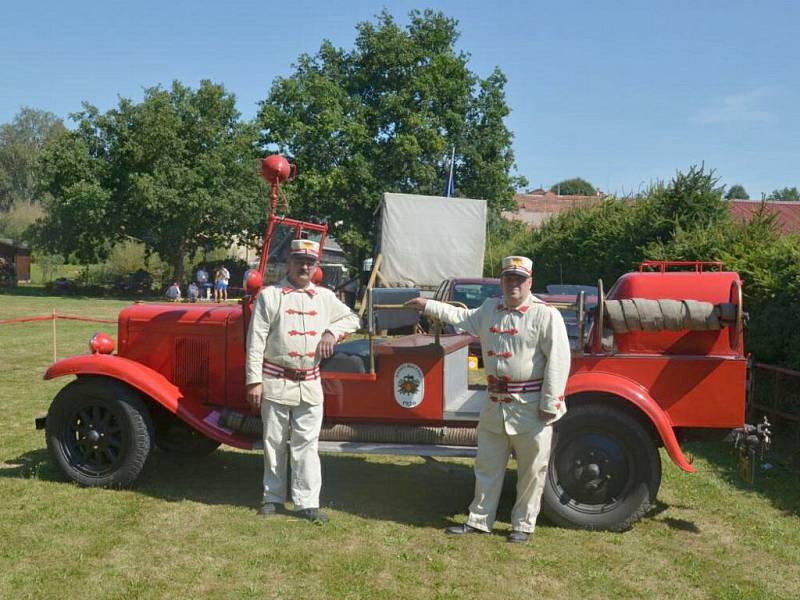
(153, 385)
(637, 395)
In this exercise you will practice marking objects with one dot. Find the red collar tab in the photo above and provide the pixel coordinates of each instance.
(520, 309)
(309, 290)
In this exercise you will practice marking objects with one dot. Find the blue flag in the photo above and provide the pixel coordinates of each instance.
(450, 186)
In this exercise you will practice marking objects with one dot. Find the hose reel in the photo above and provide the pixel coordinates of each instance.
(644, 314)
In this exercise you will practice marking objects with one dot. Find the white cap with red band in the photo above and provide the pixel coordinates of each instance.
(517, 265)
(305, 248)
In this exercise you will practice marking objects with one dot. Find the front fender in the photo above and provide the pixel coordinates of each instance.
(637, 395)
(152, 384)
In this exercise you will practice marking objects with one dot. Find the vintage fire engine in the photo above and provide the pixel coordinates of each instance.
(662, 362)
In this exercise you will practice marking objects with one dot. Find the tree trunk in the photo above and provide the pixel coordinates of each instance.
(177, 266)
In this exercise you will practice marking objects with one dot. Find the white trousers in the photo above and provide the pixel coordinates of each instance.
(533, 453)
(305, 421)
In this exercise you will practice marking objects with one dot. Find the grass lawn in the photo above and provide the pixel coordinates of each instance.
(189, 529)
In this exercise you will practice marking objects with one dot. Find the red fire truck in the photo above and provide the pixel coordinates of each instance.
(662, 362)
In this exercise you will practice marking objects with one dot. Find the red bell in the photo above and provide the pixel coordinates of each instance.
(101, 343)
(316, 278)
(253, 282)
(276, 169)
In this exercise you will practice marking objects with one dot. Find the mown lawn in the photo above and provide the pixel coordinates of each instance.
(189, 529)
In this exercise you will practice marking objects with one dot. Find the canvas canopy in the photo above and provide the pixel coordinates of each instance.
(425, 239)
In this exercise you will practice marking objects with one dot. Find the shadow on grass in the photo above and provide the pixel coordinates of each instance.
(659, 507)
(426, 494)
(23, 291)
(780, 483)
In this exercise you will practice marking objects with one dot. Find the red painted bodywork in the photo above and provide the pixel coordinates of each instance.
(371, 397)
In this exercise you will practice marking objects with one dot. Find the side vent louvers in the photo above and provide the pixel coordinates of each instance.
(191, 362)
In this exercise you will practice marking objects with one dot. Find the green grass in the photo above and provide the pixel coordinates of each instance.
(189, 529)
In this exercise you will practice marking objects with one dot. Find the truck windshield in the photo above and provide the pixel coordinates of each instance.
(473, 294)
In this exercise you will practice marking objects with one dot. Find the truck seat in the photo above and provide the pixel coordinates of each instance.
(349, 357)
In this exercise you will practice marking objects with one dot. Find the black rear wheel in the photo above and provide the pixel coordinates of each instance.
(604, 472)
(99, 432)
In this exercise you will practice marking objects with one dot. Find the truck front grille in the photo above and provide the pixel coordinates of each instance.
(191, 362)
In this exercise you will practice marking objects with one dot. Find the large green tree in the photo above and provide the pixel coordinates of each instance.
(737, 192)
(21, 144)
(385, 116)
(177, 171)
(574, 187)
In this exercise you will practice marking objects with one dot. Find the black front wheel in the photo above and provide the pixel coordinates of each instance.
(99, 432)
(605, 470)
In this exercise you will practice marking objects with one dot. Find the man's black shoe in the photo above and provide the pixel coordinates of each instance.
(518, 537)
(312, 514)
(462, 529)
(268, 509)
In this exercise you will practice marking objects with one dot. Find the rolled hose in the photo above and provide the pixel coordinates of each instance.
(640, 314)
(251, 426)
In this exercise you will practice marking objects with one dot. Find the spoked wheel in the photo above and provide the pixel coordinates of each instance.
(604, 472)
(99, 433)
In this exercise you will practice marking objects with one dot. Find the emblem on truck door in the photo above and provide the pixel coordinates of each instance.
(409, 385)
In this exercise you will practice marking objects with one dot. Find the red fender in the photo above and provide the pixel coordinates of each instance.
(638, 395)
(151, 383)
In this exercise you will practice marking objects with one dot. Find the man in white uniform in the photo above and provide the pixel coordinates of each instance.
(294, 325)
(526, 355)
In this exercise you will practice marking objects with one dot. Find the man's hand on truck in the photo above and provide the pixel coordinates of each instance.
(326, 343)
(417, 303)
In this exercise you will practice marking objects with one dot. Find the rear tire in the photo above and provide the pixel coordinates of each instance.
(99, 433)
(605, 470)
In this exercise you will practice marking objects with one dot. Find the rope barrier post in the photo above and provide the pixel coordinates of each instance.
(54, 335)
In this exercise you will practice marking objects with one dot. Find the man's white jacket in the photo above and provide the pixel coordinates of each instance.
(285, 328)
(527, 344)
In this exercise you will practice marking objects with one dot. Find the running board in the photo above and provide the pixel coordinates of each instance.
(391, 449)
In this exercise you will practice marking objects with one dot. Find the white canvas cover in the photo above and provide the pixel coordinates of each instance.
(425, 239)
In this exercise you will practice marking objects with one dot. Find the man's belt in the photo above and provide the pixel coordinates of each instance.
(273, 370)
(504, 384)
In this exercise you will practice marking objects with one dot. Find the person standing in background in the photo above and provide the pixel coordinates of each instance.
(221, 278)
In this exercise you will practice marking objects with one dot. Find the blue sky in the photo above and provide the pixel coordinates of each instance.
(620, 93)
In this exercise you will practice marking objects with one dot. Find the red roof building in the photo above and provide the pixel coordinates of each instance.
(536, 207)
(788, 213)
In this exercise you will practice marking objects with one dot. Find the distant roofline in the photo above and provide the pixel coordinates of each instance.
(751, 201)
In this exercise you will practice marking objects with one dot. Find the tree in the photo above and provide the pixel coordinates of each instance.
(737, 192)
(385, 116)
(177, 171)
(785, 195)
(574, 187)
(614, 236)
(21, 143)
